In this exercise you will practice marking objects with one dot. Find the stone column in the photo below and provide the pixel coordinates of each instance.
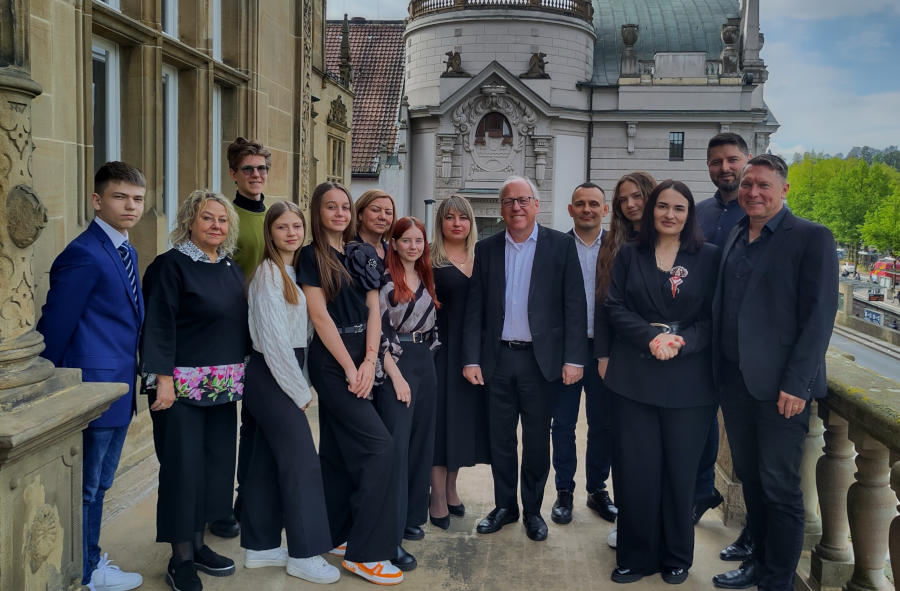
(894, 534)
(870, 508)
(812, 450)
(42, 409)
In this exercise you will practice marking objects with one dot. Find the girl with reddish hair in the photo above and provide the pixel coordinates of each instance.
(406, 401)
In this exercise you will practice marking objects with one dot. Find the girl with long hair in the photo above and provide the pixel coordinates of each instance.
(340, 282)
(406, 401)
(283, 488)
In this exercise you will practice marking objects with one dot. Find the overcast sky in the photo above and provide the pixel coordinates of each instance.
(834, 69)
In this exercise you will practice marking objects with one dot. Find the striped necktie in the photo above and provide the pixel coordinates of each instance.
(125, 253)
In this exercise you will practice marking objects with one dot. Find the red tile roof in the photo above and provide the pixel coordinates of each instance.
(376, 54)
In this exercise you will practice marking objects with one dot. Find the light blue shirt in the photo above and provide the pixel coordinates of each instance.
(118, 238)
(519, 261)
(587, 256)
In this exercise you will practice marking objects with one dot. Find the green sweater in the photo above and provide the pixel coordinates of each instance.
(250, 245)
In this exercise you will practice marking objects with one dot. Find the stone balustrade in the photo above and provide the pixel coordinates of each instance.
(851, 465)
(582, 9)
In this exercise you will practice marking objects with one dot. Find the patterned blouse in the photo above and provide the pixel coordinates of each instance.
(414, 316)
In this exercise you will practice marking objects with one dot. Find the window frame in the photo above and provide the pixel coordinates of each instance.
(216, 156)
(108, 52)
(170, 143)
(676, 145)
(169, 24)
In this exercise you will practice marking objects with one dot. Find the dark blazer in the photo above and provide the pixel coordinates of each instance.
(557, 309)
(635, 300)
(787, 313)
(90, 320)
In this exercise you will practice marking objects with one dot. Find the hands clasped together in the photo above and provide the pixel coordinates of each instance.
(665, 346)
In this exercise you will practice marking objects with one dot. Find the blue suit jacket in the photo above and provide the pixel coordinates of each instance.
(90, 320)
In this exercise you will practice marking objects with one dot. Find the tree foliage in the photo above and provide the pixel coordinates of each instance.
(844, 195)
(882, 226)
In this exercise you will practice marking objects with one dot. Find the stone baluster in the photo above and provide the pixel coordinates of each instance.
(832, 557)
(870, 507)
(894, 536)
(812, 451)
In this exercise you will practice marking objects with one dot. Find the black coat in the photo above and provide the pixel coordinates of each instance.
(787, 312)
(557, 309)
(636, 299)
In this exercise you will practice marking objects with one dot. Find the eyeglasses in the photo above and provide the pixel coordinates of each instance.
(262, 169)
(507, 202)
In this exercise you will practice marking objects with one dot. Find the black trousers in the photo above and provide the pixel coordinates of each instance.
(598, 410)
(767, 450)
(517, 390)
(195, 446)
(283, 486)
(412, 429)
(657, 451)
(246, 438)
(355, 450)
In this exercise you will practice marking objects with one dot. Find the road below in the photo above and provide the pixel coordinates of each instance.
(868, 358)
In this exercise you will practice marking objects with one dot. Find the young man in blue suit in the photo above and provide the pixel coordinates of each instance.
(92, 321)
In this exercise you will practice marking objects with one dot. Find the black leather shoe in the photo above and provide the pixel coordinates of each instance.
(625, 575)
(599, 502)
(225, 528)
(183, 576)
(404, 560)
(441, 522)
(496, 519)
(458, 510)
(413, 532)
(674, 576)
(744, 577)
(740, 549)
(562, 508)
(705, 504)
(535, 528)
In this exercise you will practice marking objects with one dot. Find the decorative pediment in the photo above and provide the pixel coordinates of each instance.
(337, 114)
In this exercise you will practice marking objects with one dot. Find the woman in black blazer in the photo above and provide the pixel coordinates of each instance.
(660, 367)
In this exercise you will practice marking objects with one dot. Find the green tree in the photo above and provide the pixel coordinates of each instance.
(882, 226)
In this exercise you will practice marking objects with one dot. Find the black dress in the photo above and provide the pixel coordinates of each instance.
(461, 428)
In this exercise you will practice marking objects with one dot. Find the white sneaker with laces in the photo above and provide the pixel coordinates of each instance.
(109, 577)
(261, 558)
(313, 569)
(611, 538)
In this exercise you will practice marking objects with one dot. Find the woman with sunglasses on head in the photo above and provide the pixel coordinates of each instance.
(283, 486)
(660, 368)
(340, 281)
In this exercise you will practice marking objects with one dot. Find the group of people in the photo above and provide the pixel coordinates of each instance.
(426, 358)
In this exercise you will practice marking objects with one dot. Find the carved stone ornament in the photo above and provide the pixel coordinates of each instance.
(536, 66)
(26, 216)
(454, 66)
(337, 115)
(42, 536)
(630, 34)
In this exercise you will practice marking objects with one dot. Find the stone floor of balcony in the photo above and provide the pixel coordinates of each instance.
(575, 556)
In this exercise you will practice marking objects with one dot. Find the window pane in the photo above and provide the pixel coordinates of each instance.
(101, 112)
(676, 145)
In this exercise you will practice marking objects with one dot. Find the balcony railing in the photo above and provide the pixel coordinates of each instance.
(581, 9)
(851, 516)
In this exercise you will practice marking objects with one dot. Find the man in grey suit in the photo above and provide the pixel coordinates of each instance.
(525, 323)
(773, 314)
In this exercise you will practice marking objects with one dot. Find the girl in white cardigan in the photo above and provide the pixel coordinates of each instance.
(283, 487)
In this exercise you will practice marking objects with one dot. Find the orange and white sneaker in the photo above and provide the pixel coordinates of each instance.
(339, 550)
(380, 573)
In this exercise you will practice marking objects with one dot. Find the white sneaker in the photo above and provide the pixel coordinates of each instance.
(339, 550)
(611, 538)
(380, 573)
(109, 577)
(261, 558)
(313, 569)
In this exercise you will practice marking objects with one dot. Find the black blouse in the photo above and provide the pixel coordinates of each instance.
(196, 314)
(348, 308)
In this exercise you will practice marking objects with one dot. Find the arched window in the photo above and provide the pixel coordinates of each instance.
(493, 125)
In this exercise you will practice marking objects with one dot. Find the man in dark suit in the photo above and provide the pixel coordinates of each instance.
(92, 321)
(524, 332)
(773, 315)
(588, 208)
(726, 156)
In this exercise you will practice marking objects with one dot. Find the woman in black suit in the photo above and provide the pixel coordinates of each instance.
(660, 367)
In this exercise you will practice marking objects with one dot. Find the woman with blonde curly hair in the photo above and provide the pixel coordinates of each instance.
(193, 348)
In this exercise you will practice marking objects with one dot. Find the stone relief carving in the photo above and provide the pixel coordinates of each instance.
(306, 104)
(42, 538)
(26, 216)
(493, 156)
(536, 65)
(337, 115)
(42, 535)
